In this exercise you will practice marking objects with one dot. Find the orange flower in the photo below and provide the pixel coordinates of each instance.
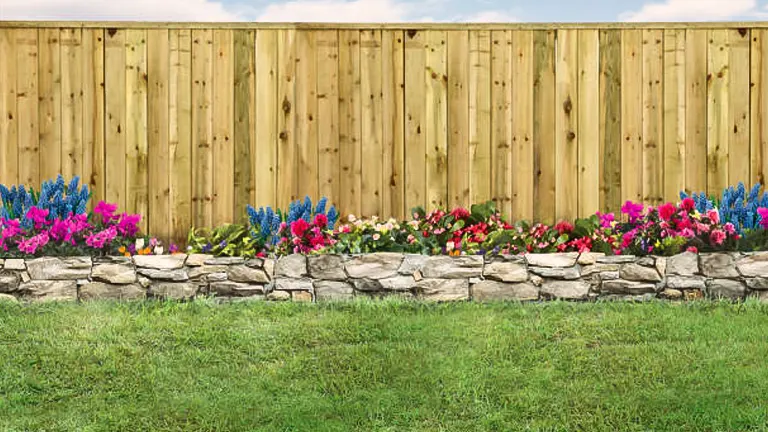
(121, 250)
(126, 254)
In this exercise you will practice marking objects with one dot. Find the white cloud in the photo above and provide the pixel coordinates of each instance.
(489, 16)
(692, 10)
(337, 11)
(116, 10)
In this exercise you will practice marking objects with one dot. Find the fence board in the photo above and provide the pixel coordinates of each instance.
(94, 116)
(28, 134)
(610, 120)
(158, 134)
(136, 169)
(9, 148)
(544, 125)
(371, 126)
(738, 108)
(436, 118)
(718, 135)
(349, 121)
(267, 135)
(674, 112)
(567, 124)
(653, 116)
(328, 114)
(306, 114)
(415, 112)
(245, 119)
(458, 119)
(632, 115)
(202, 128)
(393, 120)
(223, 125)
(590, 156)
(114, 139)
(49, 106)
(759, 105)
(71, 102)
(501, 115)
(180, 132)
(696, 85)
(480, 115)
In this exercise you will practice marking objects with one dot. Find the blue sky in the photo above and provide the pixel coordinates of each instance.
(387, 10)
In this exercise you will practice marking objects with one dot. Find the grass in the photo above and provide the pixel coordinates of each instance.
(386, 366)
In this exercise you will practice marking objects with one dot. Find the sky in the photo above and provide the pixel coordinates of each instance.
(387, 10)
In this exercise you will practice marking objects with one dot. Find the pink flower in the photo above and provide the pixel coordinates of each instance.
(129, 224)
(99, 239)
(299, 227)
(106, 211)
(687, 233)
(688, 204)
(606, 219)
(666, 211)
(717, 236)
(632, 210)
(460, 213)
(563, 227)
(713, 216)
(321, 220)
(31, 245)
(38, 216)
(692, 249)
(729, 228)
(62, 230)
(763, 212)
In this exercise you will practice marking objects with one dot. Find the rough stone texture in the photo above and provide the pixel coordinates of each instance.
(761, 296)
(753, 265)
(216, 277)
(327, 267)
(290, 284)
(196, 260)
(173, 290)
(757, 283)
(490, 290)
(368, 285)
(620, 286)
(333, 290)
(205, 270)
(604, 276)
(374, 266)
(446, 267)
(686, 282)
(718, 265)
(693, 294)
(726, 288)
(144, 282)
(243, 273)
(48, 290)
(568, 290)
(637, 272)
(398, 283)
(269, 267)
(114, 273)
(589, 258)
(14, 264)
(160, 262)
(661, 265)
(671, 294)
(291, 266)
(177, 275)
(640, 298)
(684, 264)
(412, 263)
(599, 268)
(616, 259)
(569, 273)
(552, 259)
(537, 280)
(8, 298)
(235, 289)
(443, 289)
(225, 261)
(645, 261)
(25, 277)
(255, 263)
(301, 296)
(506, 271)
(279, 296)
(9, 282)
(54, 268)
(107, 291)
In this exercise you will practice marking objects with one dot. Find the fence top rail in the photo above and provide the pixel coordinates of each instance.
(383, 26)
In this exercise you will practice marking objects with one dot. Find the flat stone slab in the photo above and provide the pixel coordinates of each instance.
(173, 290)
(114, 273)
(55, 268)
(293, 284)
(684, 264)
(566, 290)
(446, 267)
(196, 260)
(490, 290)
(374, 266)
(686, 282)
(753, 265)
(506, 271)
(443, 289)
(552, 259)
(326, 290)
(106, 291)
(327, 267)
(569, 273)
(49, 290)
(243, 273)
(160, 262)
(177, 275)
(619, 286)
(636, 272)
(14, 264)
(9, 281)
(291, 266)
(726, 288)
(235, 289)
(718, 265)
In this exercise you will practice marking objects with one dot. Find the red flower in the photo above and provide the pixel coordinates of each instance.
(321, 220)
(666, 211)
(688, 204)
(460, 213)
(563, 227)
(299, 227)
(692, 249)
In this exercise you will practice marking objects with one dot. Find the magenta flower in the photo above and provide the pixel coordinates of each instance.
(632, 210)
(106, 211)
(101, 238)
(129, 224)
(717, 236)
(713, 216)
(31, 245)
(763, 212)
(666, 211)
(38, 216)
(606, 219)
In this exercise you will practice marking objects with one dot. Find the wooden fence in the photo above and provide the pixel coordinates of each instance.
(188, 123)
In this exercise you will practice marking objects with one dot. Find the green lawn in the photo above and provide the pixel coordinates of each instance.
(386, 366)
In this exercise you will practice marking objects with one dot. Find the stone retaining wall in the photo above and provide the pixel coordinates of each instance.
(569, 276)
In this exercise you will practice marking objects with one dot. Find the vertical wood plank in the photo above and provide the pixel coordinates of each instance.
(71, 103)
(458, 119)
(674, 113)
(544, 125)
(610, 120)
(632, 115)
(566, 125)
(27, 106)
(718, 133)
(759, 104)
(306, 115)
(223, 127)
(501, 134)
(94, 122)
(415, 114)
(738, 108)
(180, 132)
(245, 119)
(158, 134)
(436, 80)
(522, 125)
(696, 85)
(202, 127)
(393, 120)
(350, 158)
(590, 156)
(9, 150)
(328, 114)
(371, 123)
(114, 82)
(480, 115)
(267, 105)
(287, 187)
(136, 128)
(49, 105)
(653, 116)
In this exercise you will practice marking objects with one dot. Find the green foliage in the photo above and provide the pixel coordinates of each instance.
(225, 240)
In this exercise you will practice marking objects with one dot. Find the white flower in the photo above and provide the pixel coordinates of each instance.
(158, 250)
(139, 243)
(449, 246)
(351, 218)
(376, 236)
